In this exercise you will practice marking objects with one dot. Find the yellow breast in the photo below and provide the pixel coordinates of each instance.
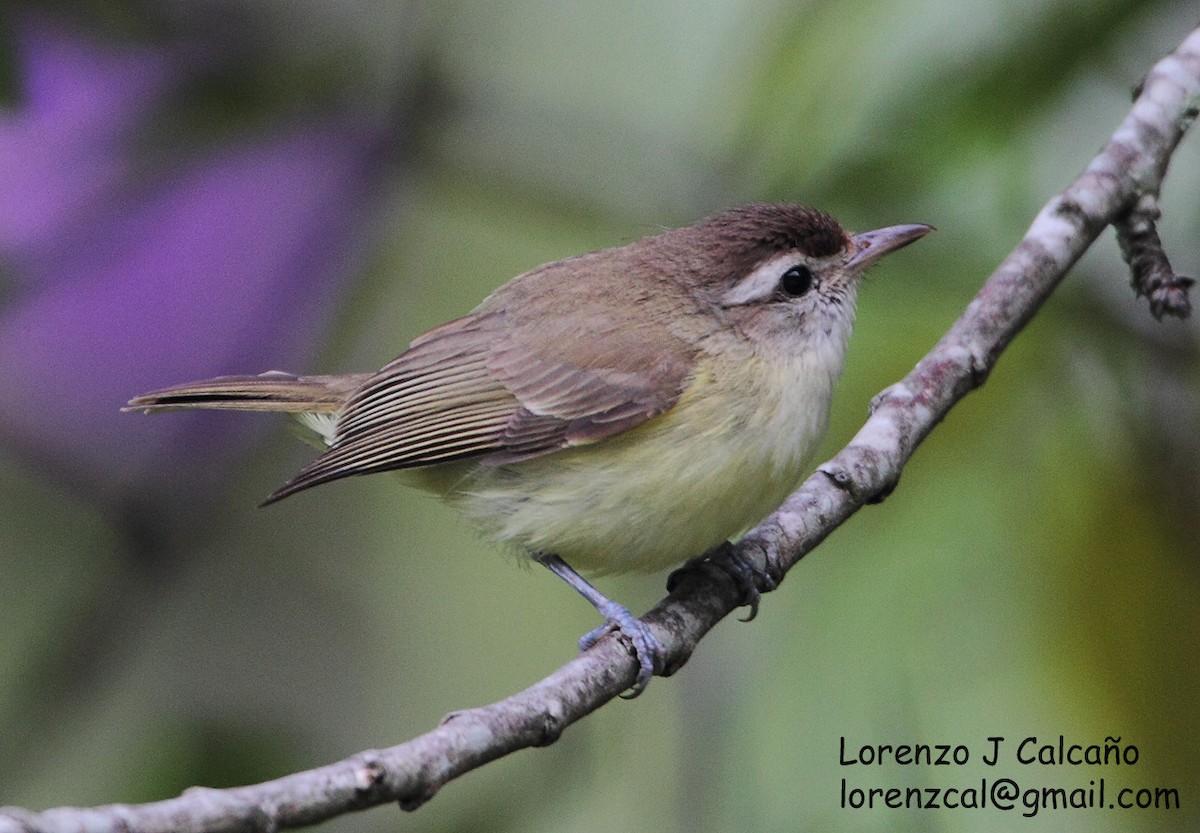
(724, 457)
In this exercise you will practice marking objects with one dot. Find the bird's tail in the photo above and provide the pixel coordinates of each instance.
(271, 391)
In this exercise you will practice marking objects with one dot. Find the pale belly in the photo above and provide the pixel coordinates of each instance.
(721, 460)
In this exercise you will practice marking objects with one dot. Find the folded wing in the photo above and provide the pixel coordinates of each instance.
(477, 388)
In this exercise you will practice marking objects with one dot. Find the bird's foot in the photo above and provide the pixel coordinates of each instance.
(744, 572)
(648, 650)
(646, 647)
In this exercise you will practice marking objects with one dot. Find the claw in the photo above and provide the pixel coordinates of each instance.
(744, 573)
(648, 650)
(646, 647)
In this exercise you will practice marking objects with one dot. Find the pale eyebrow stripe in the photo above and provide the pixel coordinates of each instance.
(761, 282)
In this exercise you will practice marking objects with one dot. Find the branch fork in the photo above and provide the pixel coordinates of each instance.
(1119, 188)
(1142, 249)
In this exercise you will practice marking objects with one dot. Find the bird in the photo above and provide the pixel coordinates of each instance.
(620, 410)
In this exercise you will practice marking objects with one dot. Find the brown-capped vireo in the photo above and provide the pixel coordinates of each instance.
(619, 410)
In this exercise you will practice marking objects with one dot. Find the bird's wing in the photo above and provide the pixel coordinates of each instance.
(479, 388)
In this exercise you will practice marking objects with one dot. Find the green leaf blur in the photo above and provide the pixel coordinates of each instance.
(1035, 572)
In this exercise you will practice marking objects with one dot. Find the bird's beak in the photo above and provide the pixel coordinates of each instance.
(872, 245)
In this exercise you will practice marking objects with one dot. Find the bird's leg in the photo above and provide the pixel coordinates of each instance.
(646, 647)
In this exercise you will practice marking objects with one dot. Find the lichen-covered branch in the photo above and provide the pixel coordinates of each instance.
(1111, 190)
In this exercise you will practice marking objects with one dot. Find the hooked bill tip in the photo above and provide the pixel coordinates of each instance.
(870, 246)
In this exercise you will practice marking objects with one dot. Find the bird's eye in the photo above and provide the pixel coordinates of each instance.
(796, 281)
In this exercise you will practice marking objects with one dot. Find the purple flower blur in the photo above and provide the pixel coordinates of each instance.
(126, 277)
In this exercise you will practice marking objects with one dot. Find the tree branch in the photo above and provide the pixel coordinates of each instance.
(1113, 189)
(1152, 273)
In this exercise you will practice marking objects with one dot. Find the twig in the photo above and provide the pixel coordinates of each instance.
(1130, 167)
(1152, 272)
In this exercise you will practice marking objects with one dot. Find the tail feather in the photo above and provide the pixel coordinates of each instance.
(270, 391)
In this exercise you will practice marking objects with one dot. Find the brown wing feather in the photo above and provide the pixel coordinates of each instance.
(436, 402)
(590, 374)
(486, 387)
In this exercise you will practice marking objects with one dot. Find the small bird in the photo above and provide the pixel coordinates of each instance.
(620, 410)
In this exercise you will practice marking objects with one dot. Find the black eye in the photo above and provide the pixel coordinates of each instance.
(796, 281)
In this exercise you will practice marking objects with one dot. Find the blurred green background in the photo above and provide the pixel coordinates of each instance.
(1035, 573)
